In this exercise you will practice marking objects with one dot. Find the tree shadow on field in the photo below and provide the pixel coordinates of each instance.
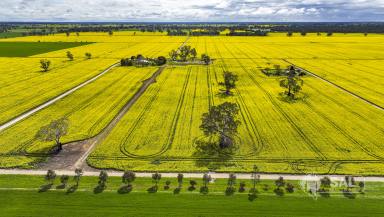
(72, 189)
(45, 187)
(299, 97)
(99, 189)
(125, 189)
(209, 154)
(222, 94)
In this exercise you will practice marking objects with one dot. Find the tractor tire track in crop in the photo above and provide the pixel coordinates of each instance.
(285, 115)
(173, 127)
(246, 117)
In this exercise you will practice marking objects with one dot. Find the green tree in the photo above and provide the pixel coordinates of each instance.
(292, 82)
(206, 59)
(255, 176)
(50, 176)
(110, 32)
(229, 82)
(64, 180)
(156, 178)
(193, 53)
(173, 55)
(70, 56)
(184, 52)
(88, 55)
(180, 177)
(53, 132)
(206, 179)
(78, 174)
(161, 60)
(280, 182)
(103, 177)
(128, 177)
(231, 182)
(45, 64)
(221, 121)
(325, 183)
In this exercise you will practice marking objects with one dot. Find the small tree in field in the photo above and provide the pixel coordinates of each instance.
(206, 179)
(229, 82)
(128, 177)
(53, 132)
(50, 176)
(221, 121)
(173, 55)
(156, 178)
(206, 59)
(103, 177)
(255, 176)
(45, 64)
(293, 83)
(78, 174)
(231, 182)
(64, 180)
(193, 53)
(180, 177)
(110, 32)
(88, 55)
(70, 56)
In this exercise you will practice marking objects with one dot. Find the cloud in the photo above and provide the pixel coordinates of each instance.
(197, 10)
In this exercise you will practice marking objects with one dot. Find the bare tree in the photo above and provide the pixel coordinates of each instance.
(53, 132)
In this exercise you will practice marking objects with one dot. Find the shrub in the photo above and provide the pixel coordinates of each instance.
(204, 190)
(230, 191)
(242, 187)
(279, 191)
(290, 188)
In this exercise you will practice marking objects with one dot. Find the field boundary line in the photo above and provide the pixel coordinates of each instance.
(338, 86)
(54, 100)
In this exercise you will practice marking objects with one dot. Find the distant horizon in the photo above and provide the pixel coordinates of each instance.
(186, 22)
(188, 11)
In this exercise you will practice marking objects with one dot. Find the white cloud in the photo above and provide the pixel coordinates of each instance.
(197, 10)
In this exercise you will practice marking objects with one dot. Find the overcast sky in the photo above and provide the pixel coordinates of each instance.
(193, 10)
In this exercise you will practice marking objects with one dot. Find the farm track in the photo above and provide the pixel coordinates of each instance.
(263, 176)
(85, 147)
(75, 153)
(338, 86)
(54, 100)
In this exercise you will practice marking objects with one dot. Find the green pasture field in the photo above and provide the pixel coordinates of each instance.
(20, 197)
(25, 49)
(10, 34)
